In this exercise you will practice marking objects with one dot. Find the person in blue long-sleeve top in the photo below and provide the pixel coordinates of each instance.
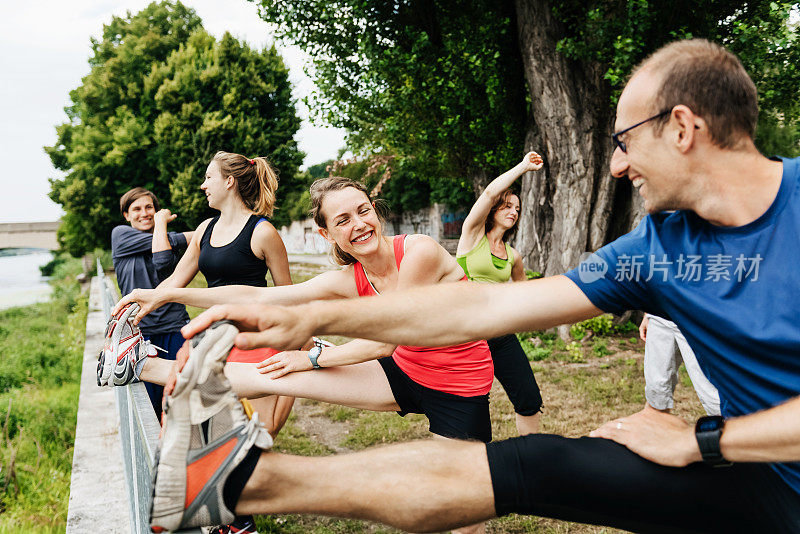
(144, 254)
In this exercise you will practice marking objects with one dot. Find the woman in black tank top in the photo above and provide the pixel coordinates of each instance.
(234, 263)
(238, 247)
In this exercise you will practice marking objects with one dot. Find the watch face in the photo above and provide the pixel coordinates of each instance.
(709, 425)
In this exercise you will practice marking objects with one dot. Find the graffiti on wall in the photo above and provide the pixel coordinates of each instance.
(452, 223)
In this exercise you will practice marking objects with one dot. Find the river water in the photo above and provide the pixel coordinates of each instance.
(21, 283)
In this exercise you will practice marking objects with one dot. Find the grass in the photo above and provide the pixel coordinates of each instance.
(41, 351)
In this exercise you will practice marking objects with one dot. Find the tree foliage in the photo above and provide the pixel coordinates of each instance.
(441, 80)
(438, 81)
(618, 35)
(162, 96)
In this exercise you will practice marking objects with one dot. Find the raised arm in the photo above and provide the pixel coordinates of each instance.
(160, 221)
(474, 225)
(187, 267)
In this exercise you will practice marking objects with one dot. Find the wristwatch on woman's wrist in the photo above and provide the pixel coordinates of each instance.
(313, 354)
(708, 431)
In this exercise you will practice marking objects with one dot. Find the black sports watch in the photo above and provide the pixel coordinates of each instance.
(313, 354)
(708, 431)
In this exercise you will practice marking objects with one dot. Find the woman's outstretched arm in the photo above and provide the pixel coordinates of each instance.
(473, 229)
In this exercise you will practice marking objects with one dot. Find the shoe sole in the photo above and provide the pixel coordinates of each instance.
(209, 351)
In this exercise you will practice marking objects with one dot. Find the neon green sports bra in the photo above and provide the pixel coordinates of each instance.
(481, 265)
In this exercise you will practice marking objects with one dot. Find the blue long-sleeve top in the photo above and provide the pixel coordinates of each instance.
(137, 267)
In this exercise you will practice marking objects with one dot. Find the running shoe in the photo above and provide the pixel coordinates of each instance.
(121, 335)
(206, 436)
(131, 362)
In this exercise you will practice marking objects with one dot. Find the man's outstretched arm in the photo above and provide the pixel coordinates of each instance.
(428, 316)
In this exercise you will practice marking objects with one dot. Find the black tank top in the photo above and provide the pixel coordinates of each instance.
(234, 263)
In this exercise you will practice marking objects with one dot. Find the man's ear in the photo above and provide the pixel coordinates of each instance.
(324, 233)
(688, 127)
(127, 217)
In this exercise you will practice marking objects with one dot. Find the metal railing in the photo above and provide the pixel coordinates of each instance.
(138, 429)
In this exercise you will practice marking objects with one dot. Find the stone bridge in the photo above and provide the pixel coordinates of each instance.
(29, 235)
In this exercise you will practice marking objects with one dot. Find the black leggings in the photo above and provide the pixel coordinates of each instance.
(597, 481)
(513, 371)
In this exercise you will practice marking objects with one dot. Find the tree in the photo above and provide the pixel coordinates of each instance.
(161, 97)
(438, 80)
(576, 55)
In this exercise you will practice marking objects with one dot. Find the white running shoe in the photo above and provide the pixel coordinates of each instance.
(121, 336)
(206, 436)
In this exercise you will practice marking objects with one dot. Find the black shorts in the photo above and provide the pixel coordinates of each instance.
(450, 416)
(597, 481)
(513, 371)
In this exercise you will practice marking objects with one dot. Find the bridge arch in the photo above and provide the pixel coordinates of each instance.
(29, 235)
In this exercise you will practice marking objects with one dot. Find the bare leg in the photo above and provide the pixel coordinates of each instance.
(361, 385)
(156, 370)
(478, 528)
(273, 411)
(528, 424)
(424, 486)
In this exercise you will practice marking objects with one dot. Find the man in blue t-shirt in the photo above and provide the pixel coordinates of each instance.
(723, 267)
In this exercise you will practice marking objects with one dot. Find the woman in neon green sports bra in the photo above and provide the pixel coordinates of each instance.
(485, 255)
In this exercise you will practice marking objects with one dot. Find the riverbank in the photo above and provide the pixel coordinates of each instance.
(40, 358)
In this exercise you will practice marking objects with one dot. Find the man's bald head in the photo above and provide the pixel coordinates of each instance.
(710, 81)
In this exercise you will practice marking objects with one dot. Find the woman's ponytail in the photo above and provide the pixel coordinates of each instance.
(256, 180)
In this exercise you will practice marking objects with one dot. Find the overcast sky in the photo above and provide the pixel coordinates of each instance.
(44, 52)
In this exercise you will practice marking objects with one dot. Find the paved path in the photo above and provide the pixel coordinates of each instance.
(316, 259)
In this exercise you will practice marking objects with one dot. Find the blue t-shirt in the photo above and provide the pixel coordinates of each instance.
(137, 267)
(731, 290)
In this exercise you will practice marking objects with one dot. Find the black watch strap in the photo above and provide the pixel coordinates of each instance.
(708, 431)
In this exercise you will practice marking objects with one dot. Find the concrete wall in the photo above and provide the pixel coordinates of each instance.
(442, 224)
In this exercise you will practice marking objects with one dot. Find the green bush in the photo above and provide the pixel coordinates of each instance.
(532, 275)
(575, 352)
(601, 325)
(600, 348)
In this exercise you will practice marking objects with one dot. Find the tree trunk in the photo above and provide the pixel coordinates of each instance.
(573, 204)
(480, 178)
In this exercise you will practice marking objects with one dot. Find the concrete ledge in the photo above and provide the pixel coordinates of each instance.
(98, 499)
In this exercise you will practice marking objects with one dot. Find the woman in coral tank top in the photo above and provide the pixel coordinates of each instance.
(450, 385)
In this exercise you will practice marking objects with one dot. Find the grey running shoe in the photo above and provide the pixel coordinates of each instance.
(121, 337)
(206, 436)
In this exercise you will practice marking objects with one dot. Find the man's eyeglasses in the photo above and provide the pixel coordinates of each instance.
(621, 144)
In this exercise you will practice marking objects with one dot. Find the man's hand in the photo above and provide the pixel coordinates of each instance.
(148, 300)
(643, 327)
(284, 363)
(278, 327)
(659, 437)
